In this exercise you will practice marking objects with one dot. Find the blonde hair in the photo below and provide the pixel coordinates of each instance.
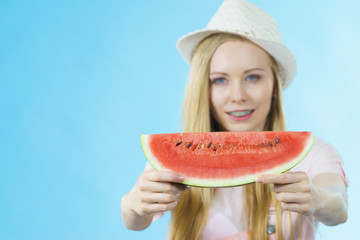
(190, 216)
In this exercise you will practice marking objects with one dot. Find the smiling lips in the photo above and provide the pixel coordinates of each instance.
(241, 115)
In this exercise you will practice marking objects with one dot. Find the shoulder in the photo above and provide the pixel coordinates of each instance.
(321, 148)
(322, 151)
(322, 158)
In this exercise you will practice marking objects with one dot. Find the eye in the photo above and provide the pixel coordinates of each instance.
(218, 81)
(253, 77)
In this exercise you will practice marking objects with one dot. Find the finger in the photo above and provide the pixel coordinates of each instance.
(298, 198)
(154, 208)
(299, 208)
(162, 198)
(164, 176)
(160, 187)
(292, 187)
(282, 178)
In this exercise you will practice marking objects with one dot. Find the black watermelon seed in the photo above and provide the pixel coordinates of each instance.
(213, 147)
(178, 143)
(209, 145)
(277, 140)
(188, 145)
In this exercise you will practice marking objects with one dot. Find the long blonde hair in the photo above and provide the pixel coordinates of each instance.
(191, 214)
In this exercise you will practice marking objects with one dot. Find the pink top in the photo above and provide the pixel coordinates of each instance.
(227, 218)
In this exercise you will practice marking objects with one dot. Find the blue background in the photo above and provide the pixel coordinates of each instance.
(80, 80)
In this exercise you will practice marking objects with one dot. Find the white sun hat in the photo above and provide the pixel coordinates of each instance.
(245, 19)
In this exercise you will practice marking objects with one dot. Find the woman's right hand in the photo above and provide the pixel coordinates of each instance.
(157, 191)
(154, 192)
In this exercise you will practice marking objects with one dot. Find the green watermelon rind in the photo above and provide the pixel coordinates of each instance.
(218, 182)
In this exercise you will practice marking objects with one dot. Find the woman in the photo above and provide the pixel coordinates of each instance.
(238, 70)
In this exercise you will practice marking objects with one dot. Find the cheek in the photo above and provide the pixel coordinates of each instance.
(217, 99)
(266, 100)
(263, 97)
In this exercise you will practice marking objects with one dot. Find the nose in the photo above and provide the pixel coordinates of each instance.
(238, 92)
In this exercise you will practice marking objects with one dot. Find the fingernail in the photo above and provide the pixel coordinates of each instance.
(181, 178)
(187, 187)
(259, 180)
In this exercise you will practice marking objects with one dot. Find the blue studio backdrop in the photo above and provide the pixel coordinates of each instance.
(81, 80)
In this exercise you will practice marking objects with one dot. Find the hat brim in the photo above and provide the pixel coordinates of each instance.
(284, 57)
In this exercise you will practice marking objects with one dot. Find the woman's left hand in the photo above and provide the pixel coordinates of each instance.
(324, 196)
(294, 190)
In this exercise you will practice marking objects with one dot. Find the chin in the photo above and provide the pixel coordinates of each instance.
(239, 129)
(242, 128)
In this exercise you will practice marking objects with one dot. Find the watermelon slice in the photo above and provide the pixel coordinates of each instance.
(223, 159)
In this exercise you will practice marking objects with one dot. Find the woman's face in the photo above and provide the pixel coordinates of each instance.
(241, 86)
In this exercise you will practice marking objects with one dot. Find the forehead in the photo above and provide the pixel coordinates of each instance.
(240, 54)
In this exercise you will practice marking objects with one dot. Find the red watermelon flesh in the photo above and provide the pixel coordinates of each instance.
(220, 159)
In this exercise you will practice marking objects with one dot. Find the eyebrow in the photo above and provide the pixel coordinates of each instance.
(249, 70)
(253, 69)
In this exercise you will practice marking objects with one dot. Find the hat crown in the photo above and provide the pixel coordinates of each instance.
(244, 18)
